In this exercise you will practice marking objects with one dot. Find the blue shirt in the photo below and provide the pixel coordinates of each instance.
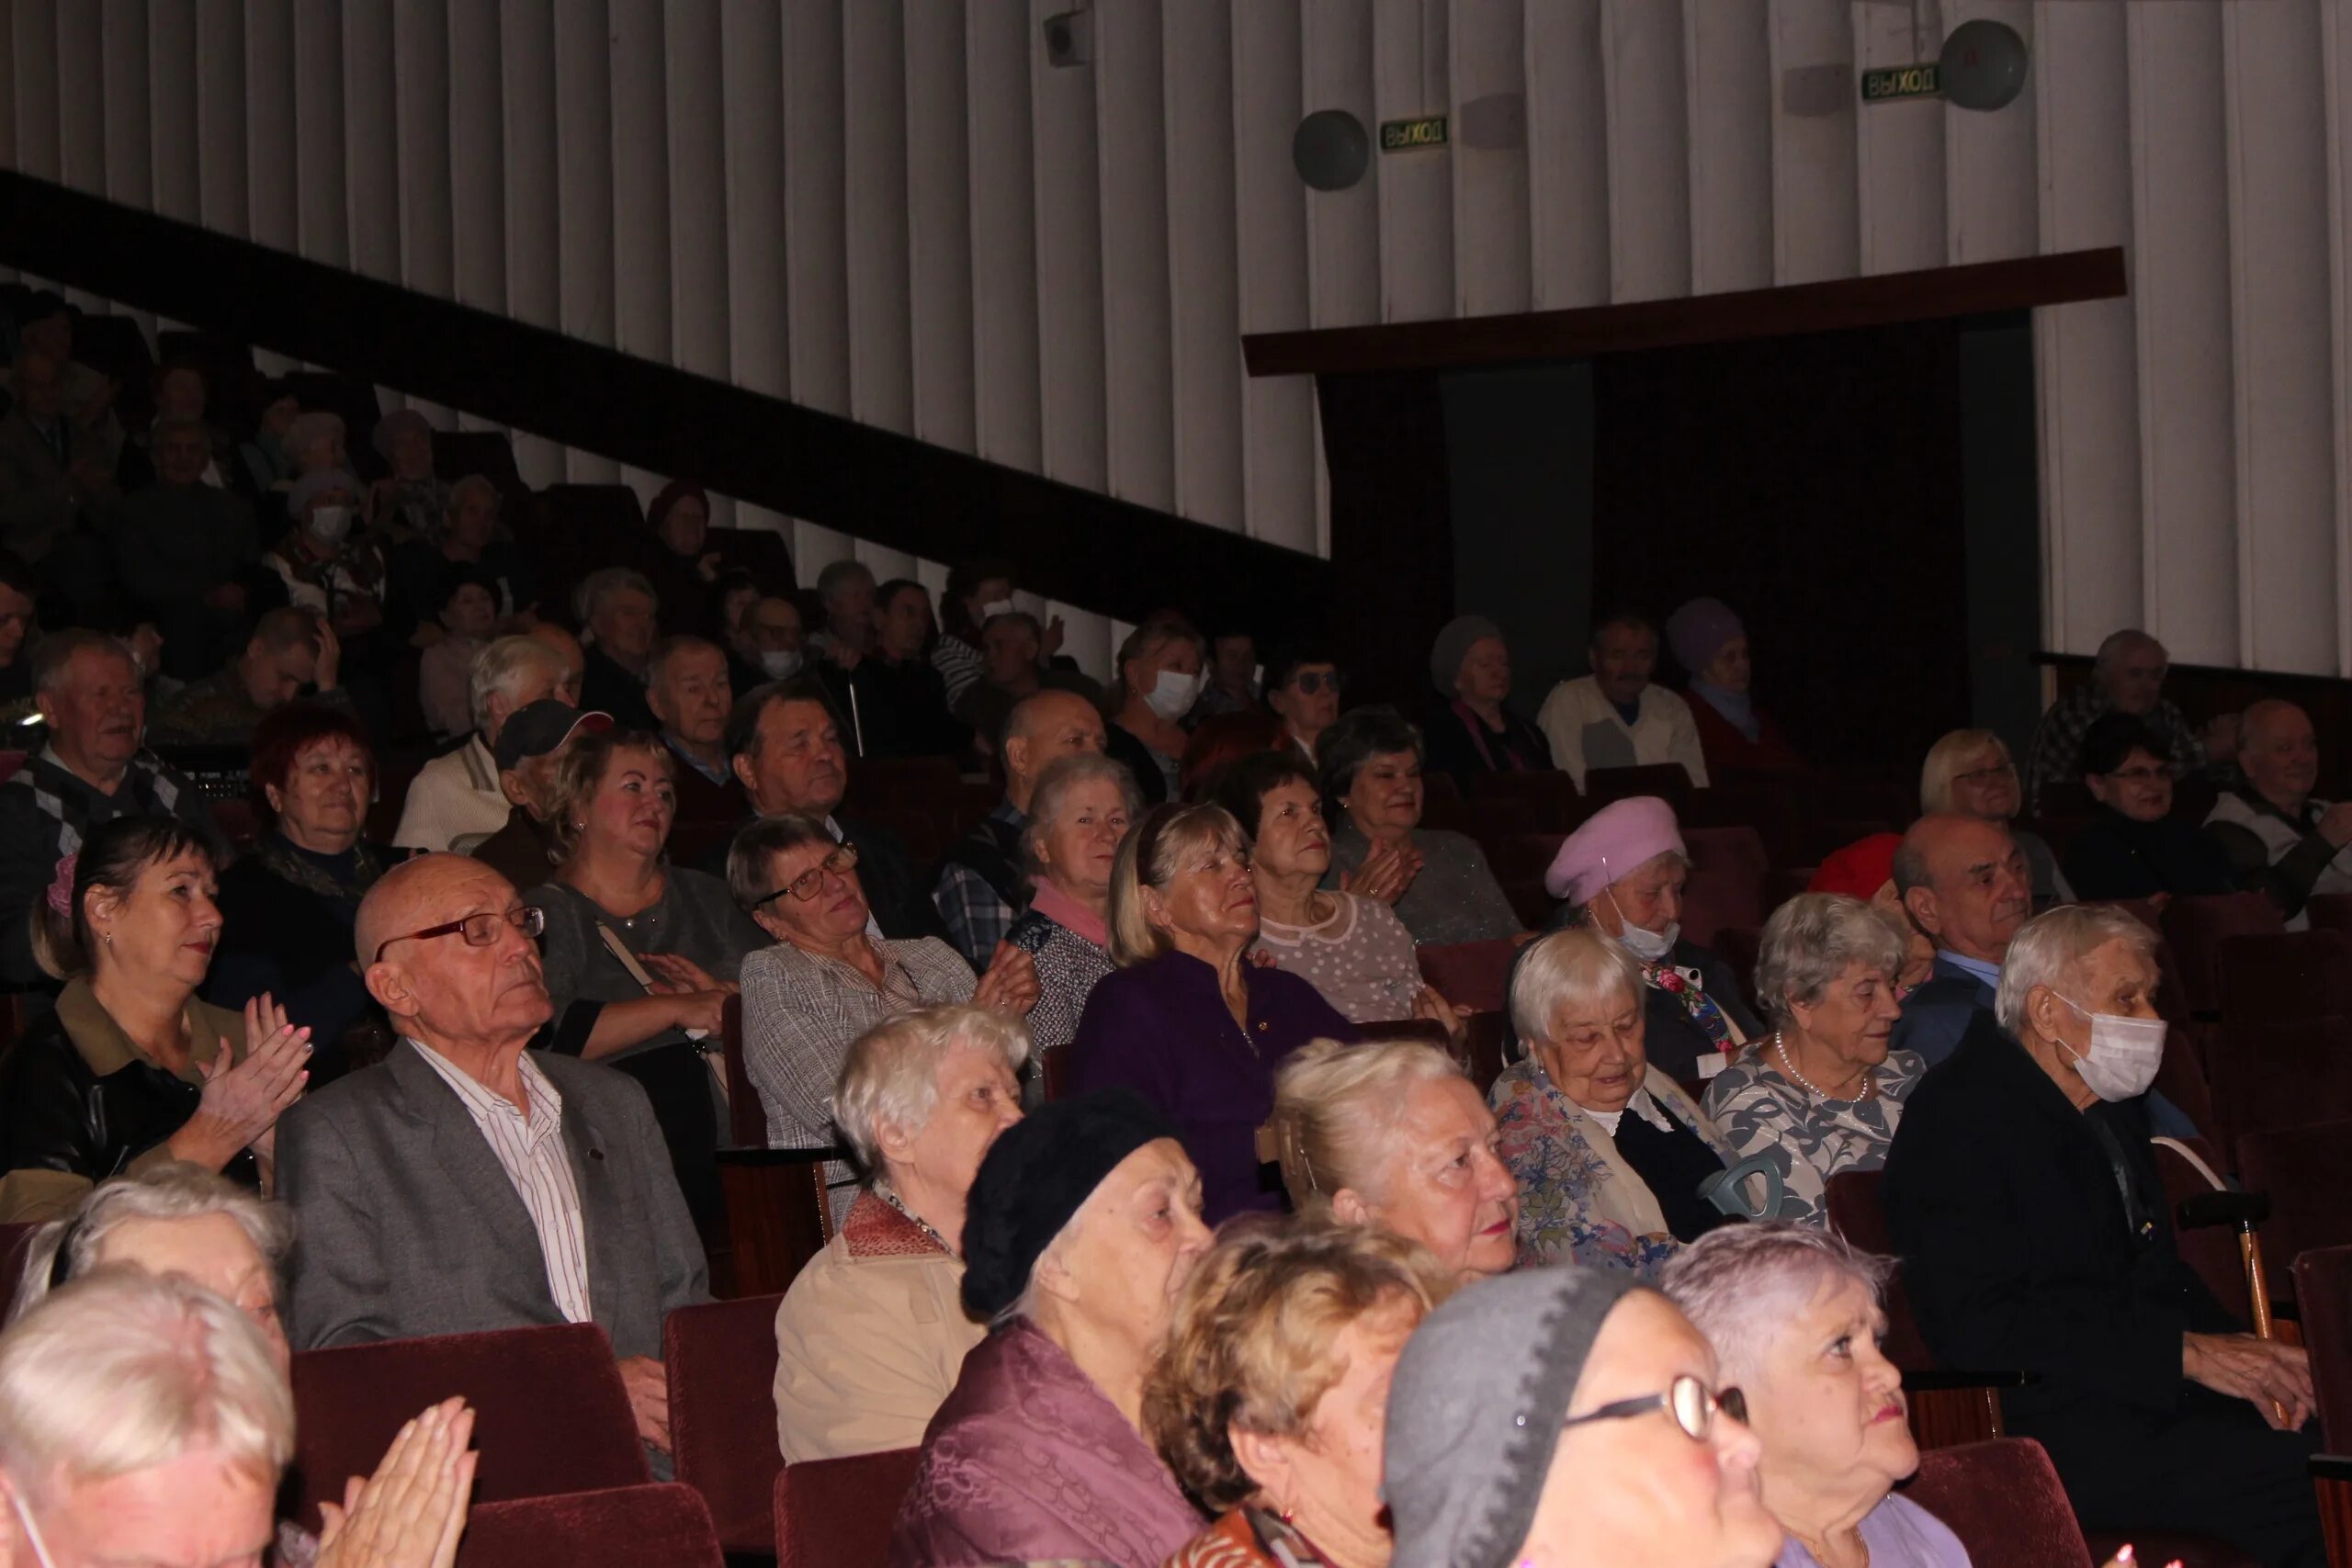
(1988, 973)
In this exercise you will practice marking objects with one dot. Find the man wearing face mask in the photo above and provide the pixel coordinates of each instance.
(2035, 1235)
(763, 644)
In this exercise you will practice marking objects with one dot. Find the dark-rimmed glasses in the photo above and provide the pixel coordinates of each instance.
(1688, 1400)
(479, 930)
(1311, 682)
(805, 887)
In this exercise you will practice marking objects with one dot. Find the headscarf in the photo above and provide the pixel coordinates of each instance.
(1453, 645)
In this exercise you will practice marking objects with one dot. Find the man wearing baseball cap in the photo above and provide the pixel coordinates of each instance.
(527, 750)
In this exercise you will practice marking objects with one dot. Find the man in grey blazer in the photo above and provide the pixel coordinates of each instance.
(466, 1182)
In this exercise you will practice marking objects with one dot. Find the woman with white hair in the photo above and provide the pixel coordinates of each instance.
(871, 1335)
(1972, 773)
(1392, 1134)
(2035, 1234)
(1823, 1094)
(1077, 814)
(1795, 1317)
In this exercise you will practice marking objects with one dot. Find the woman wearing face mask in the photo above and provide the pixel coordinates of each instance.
(324, 566)
(1624, 872)
(2024, 1200)
(1159, 681)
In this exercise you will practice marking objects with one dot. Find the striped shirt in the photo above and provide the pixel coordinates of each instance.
(532, 1153)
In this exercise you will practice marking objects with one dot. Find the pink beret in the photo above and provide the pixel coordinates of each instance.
(1619, 837)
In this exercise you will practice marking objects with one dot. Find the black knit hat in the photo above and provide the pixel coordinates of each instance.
(1037, 1174)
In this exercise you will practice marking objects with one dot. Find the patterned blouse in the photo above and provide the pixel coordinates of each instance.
(1361, 959)
(1811, 1139)
(1068, 967)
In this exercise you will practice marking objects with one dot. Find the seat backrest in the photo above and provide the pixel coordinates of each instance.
(2329, 911)
(720, 1358)
(837, 1513)
(2213, 1251)
(550, 1413)
(14, 1238)
(2196, 926)
(1726, 886)
(1474, 974)
(1551, 791)
(2286, 975)
(2003, 1499)
(1858, 1213)
(1666, 780)
(2308, 1173)
(778, 1214)
(1739, 947)
(2323, 1296)
(747, 1121)
(2284, 1073)
(620, 1526)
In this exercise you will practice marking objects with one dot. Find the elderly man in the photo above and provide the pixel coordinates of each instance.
(2036, 1236)
(92, 769)
(2128, 676)
(529, 750)
(293, 653)
(687, 689)
(459, 795)
(619, 610)
(179, 548)
(896, 697)
(982, 885)
(846, 590)
(785, 743)
(52, 466)
(2279, 840)
(1964, 883)
(763, 644)
(1614, 717)
(471, 1183)
(1012, 649)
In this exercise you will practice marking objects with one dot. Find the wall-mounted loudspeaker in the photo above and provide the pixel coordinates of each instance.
(1330, 149)
(1983, 66)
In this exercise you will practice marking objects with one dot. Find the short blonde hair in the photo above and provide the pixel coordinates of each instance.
(170, 1190)
(1336, 1112)
(580, 772)
(892, 1070)
(1150, 855)
(123, 1370)
(1946, 759)
(1809, 942)
(1565, 969)
(1250, 1345)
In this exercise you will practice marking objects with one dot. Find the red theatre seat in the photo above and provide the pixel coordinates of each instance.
(1474, 974)
(2197, 927)
(837, 1513)
(621, 1526)
(1726, 886)
(721, 1361)
(552, 1414)
(2003, 1499)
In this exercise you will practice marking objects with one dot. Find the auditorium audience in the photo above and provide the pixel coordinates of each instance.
(2281, 840)
(53, 465)
(1969, 772)
(1615, 1164)
(1624, 872)
(1303, 685)
(458, 1187)
(409, 500)
(46, 325)
(2036, 1234)
(977, 592)
(184, 551)
(1437, 882)
(2133, 847)
(1616, 717)
(687, 689)
(1608, 1439)
(845, 590)
(531, 752)
(465, 608)
(457, 795)
(466, 537)
(1965, 884)
(2127, 677)
(293, 652)
(129, 1068)
(1711, 645)
(872, 1333)
(1392, 1134)
(1187, 1020)
(1080, 811)
(1823, 1094)
(1795, 1317)
(1470, 730)
(1080, 1230)
(1155, 681)
(92, 769)
(619, 612)
(896, 700)
(1269, 1396)
(678, 559)
(1865, 870)
(982, 888)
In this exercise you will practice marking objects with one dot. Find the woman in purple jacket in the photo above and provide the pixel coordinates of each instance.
(1187, 1020)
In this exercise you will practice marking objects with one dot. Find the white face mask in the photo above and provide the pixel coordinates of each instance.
(329, 525)
(1172, 695)
(780, 661)
(2125, 1052)
(991, 611)
(1650, 946)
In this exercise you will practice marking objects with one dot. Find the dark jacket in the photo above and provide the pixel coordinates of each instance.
(518, 851)
(1675, 1041)
(1935, 1015)
(606, 687)
(900, 709)
(294, 939)
(1462, 746)
(1123, 745)
(2113, 856)
(700, 800)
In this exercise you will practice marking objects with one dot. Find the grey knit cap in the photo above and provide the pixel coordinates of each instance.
(1476, 1410)
(1453, 645)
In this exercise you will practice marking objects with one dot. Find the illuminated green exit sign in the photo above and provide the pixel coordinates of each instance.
(1407, 135)
(1920, 81)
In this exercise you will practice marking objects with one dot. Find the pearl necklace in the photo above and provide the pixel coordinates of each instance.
(1780, 1049)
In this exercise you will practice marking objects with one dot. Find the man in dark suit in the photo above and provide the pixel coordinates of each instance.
(2026, 1204)
(1964, 883)
(468, 1182)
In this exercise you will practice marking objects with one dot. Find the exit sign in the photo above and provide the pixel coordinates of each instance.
(1405, 135)
(1920, 81)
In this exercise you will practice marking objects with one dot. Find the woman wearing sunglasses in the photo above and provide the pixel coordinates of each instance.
(832, 976)
(1303, 686)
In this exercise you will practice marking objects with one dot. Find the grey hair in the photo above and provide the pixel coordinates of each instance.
(657, 664)
(750, 859)
(173, 1190)
(499, 670)
(838, 572)
(2116, 644)
(53, 656)
(893, 1071)
(2050, 945)
(1061, 776)
(1739, 1283)
(1336, 1112)
(1809, 942)
(1567, 967)
(598, 586)
(473, 484)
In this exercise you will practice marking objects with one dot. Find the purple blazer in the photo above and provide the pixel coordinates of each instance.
(1161, 1028)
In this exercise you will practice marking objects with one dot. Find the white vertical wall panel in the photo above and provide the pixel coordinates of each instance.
(1568, 154)
(640, 175)
(371, 138)
(583, 170)
(1816, 192)
(1989, 209)
(272, 127)
(1900, 149)
(2336, 40)
(1485, 48)
(1649, 158)
(533, 224)
(1203, 250)
(1278, 429)
(322, 223)
(874, 78)
(1726, 61)
(8, 92)
(1342, 226)
(221, 115)
(816, 258)
(477, 159)
(1008, 416)
(692, 48)
(1069, 262)
(129, 128)
(1137, 361)
(939, 226)
(1409, 79)
(81, 98)
(171, 85)
(32, 26)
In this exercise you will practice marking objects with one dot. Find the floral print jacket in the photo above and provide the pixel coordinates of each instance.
(1809, 1138)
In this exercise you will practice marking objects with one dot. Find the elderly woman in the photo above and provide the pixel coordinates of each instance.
(1078, 813)
(129, 1068)
(640, 954)
(1615, 1165)
(1437, 882)
(411, 500)
(289, 905)
(1393, 1135)
(871, 1335)
(324, 565)
(464, 606)
(1158, 671)
(1823, 1094)
(679, 561)
(1269, 1396)
(1081, 1231)
(1624, 872)
(313, 442)
(2133, 847)
(1606, 1439)
(1865, 870)
(1302, 685)
(1712, 645)
(1471, 731)
(1970, 772)
(2035, 1233)
(1795, 1319)
(1187, 1019)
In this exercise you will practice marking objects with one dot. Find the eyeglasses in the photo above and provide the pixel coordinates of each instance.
(1688, 1400)
(841, 862)
(479, 930)
(1987, 775)
(1313, 681)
